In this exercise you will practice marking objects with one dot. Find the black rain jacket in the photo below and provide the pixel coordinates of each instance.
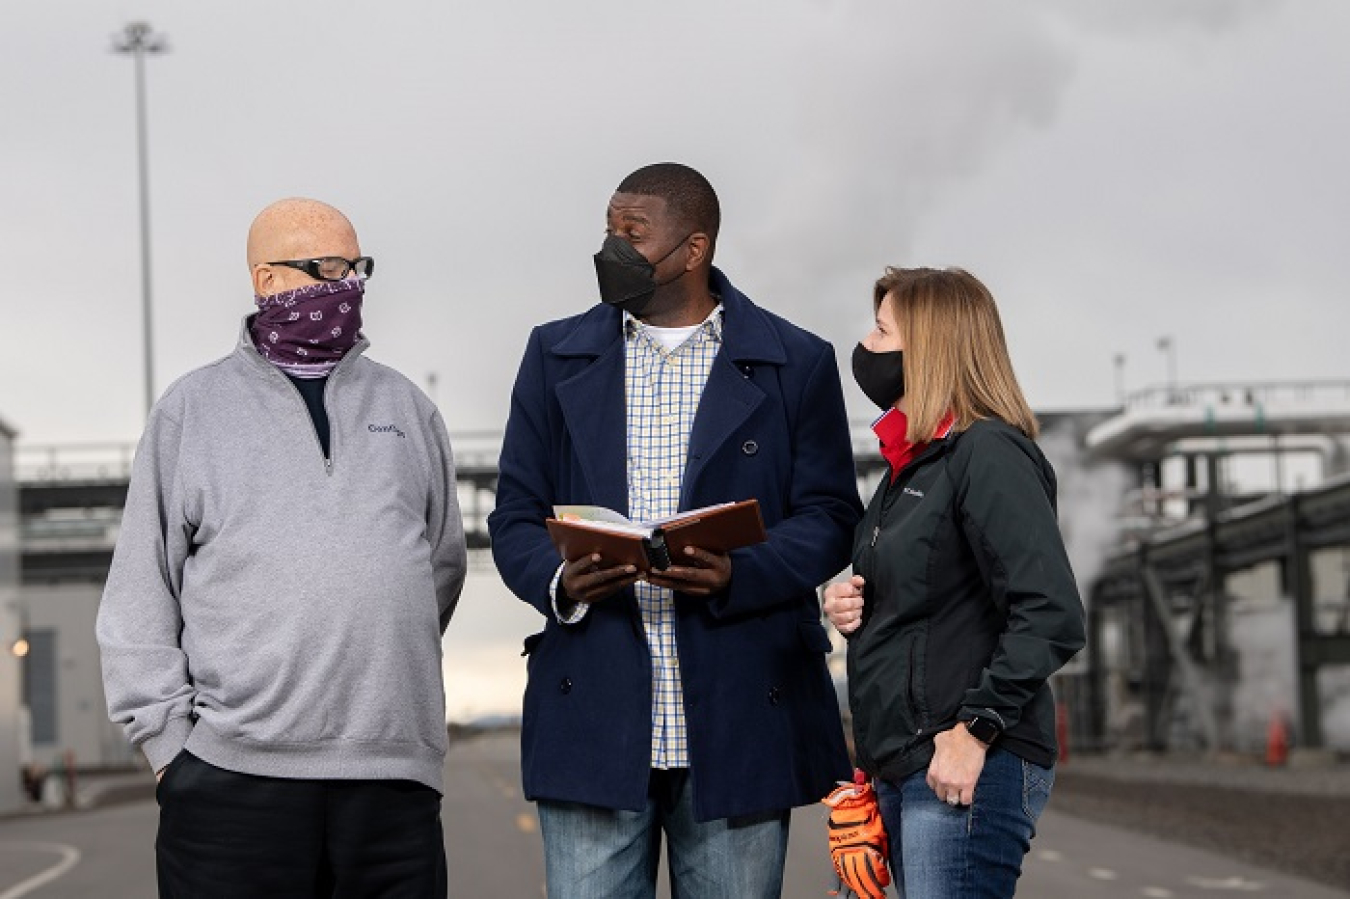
(969, 605)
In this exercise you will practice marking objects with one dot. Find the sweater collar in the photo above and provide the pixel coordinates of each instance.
(892, 429)
(250, 354)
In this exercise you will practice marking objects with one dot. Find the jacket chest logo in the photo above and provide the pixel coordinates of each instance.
(385, 429)
(910, 491)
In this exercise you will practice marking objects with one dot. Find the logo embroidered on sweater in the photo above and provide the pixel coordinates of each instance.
(912, 492)
(385, 429)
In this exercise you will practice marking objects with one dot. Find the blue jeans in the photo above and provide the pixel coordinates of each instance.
(940, 852)
(599, 853)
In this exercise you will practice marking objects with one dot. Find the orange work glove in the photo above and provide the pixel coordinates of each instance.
(858, 844)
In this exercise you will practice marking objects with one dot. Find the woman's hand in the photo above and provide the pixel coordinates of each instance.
(844, 604)
(958, 759)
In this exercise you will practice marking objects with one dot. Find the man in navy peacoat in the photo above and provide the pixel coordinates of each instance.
(762, 717)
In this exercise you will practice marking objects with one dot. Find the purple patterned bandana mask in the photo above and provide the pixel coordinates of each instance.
(305, 332)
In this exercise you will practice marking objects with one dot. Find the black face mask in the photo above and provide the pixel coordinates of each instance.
(880, 375)
(626, 278)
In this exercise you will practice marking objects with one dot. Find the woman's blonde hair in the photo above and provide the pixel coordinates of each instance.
(956, 357)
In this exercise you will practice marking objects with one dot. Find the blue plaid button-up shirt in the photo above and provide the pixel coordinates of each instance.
(663, 388)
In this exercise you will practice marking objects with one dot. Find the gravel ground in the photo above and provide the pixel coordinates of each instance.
(1295, 820)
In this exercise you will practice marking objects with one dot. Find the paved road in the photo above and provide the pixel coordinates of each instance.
(1071, 857)
(493, 850)
(112, 850)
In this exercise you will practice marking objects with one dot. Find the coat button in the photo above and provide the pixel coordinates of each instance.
(565, 686)
(774, 694)
(749, 447)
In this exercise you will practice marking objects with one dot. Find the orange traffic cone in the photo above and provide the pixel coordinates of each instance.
(1277, 741)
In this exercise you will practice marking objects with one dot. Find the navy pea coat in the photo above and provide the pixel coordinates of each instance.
(763, 719)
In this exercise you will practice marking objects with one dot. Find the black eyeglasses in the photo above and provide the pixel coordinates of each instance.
(331, 268)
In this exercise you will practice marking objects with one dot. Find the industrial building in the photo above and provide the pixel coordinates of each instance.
(70, 503)
(1221, 615)
(11, 628)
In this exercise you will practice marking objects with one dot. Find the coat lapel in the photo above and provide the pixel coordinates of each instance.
(592, 404)
(730, 397)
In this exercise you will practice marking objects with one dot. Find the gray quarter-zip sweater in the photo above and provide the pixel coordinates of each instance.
(275, 612)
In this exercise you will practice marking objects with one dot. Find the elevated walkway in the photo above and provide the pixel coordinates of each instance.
(1154, 420)
(71, 498)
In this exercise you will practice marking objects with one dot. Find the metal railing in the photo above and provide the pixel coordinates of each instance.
(1258, 393)
(73, 462)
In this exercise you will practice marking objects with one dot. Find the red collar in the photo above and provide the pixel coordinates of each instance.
(892, 429)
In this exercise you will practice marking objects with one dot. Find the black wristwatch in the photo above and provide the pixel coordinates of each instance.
(986, 730)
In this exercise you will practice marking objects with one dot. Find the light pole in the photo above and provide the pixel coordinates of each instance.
(1119, 360)
(1168, 347)
(138, 40)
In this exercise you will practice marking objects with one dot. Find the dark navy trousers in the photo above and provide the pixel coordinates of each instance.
(225, 834)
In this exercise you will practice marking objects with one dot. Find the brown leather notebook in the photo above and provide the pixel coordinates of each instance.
(582, 530)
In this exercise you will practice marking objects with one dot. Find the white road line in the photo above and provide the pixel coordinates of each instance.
(1157, 893)
(1094, 873)
(1236, 884)
(1050, 855)
(70, 857)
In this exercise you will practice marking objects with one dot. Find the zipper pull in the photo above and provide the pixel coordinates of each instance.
(328, 467)
(876, 532)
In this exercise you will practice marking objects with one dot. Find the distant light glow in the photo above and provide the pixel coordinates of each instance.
(20, 647)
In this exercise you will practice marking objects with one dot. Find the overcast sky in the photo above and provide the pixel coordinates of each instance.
(1114, 171)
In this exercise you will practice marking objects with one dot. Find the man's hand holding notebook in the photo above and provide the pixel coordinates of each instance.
(580, 531)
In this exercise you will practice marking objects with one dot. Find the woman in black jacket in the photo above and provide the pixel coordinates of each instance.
(962, 602)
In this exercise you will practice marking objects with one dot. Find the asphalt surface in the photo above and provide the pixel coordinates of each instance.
(493, 847)
(1295, 820)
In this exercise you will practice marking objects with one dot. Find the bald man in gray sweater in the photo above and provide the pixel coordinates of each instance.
(290, 555)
